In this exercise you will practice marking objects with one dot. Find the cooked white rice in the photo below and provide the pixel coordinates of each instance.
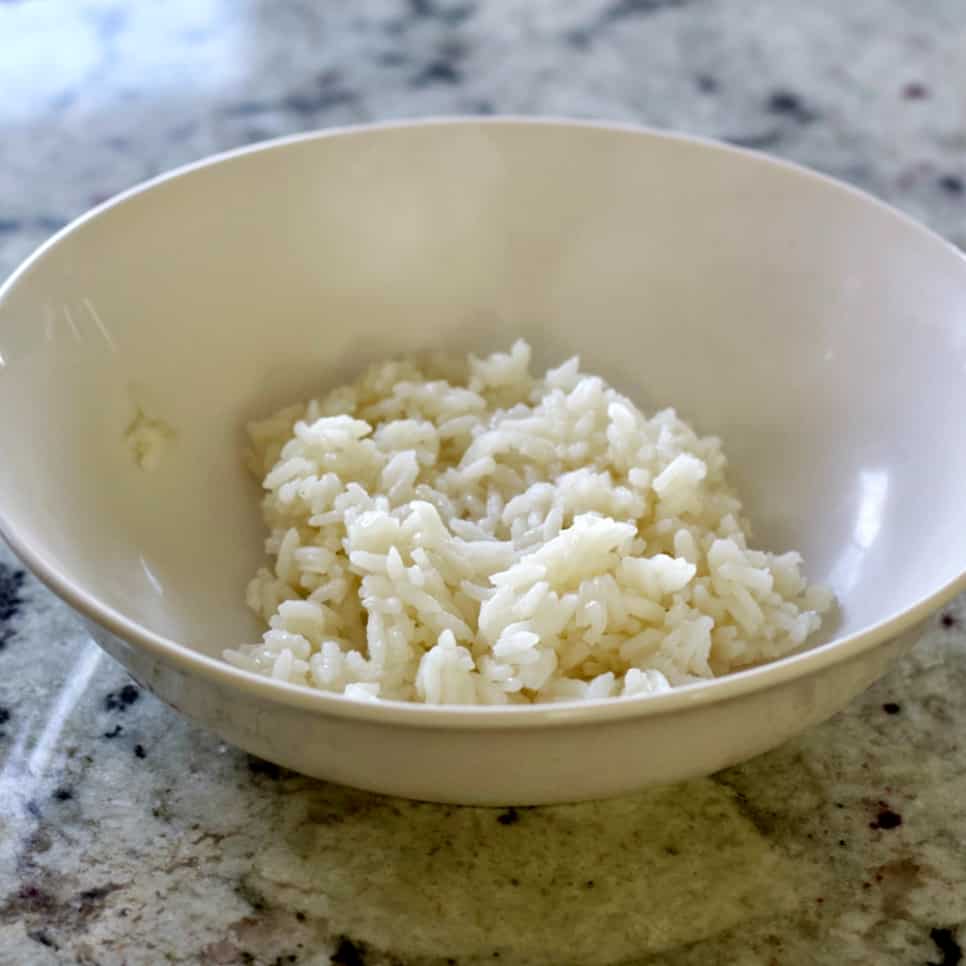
(456, 532)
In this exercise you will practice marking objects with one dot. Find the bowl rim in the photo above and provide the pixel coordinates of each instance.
(218, 672)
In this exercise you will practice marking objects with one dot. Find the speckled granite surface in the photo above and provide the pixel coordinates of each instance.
(127, 836)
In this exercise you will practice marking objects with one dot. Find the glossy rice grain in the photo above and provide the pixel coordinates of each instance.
(461, 532)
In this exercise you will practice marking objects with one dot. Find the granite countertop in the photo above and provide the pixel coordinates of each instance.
(129, 836)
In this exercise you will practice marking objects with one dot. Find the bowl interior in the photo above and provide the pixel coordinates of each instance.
(820, 334)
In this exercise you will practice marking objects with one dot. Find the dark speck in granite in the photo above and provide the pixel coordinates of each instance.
(945, 940)
(41, 936)
(437, 72)
(251, 895)
(951, 183)
(29, 899)
(949, 621)
(444, 67)
(62, 794)
(114, 732)
(914, 91)
(790, 105)
(43, 911)
(316, 101)
(348, 953)
(11, 600)
(890, 707)
(886, 819)
(139, 751)
(582, 37)
(706, 83)
(450, 14)
(637, 8)
(121, 699)
(97, 894)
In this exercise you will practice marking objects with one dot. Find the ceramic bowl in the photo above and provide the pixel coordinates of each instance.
(820, 333)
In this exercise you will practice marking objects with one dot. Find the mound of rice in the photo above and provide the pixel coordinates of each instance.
(460, 532)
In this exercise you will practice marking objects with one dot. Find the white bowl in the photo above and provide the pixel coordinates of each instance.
(820, 333)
